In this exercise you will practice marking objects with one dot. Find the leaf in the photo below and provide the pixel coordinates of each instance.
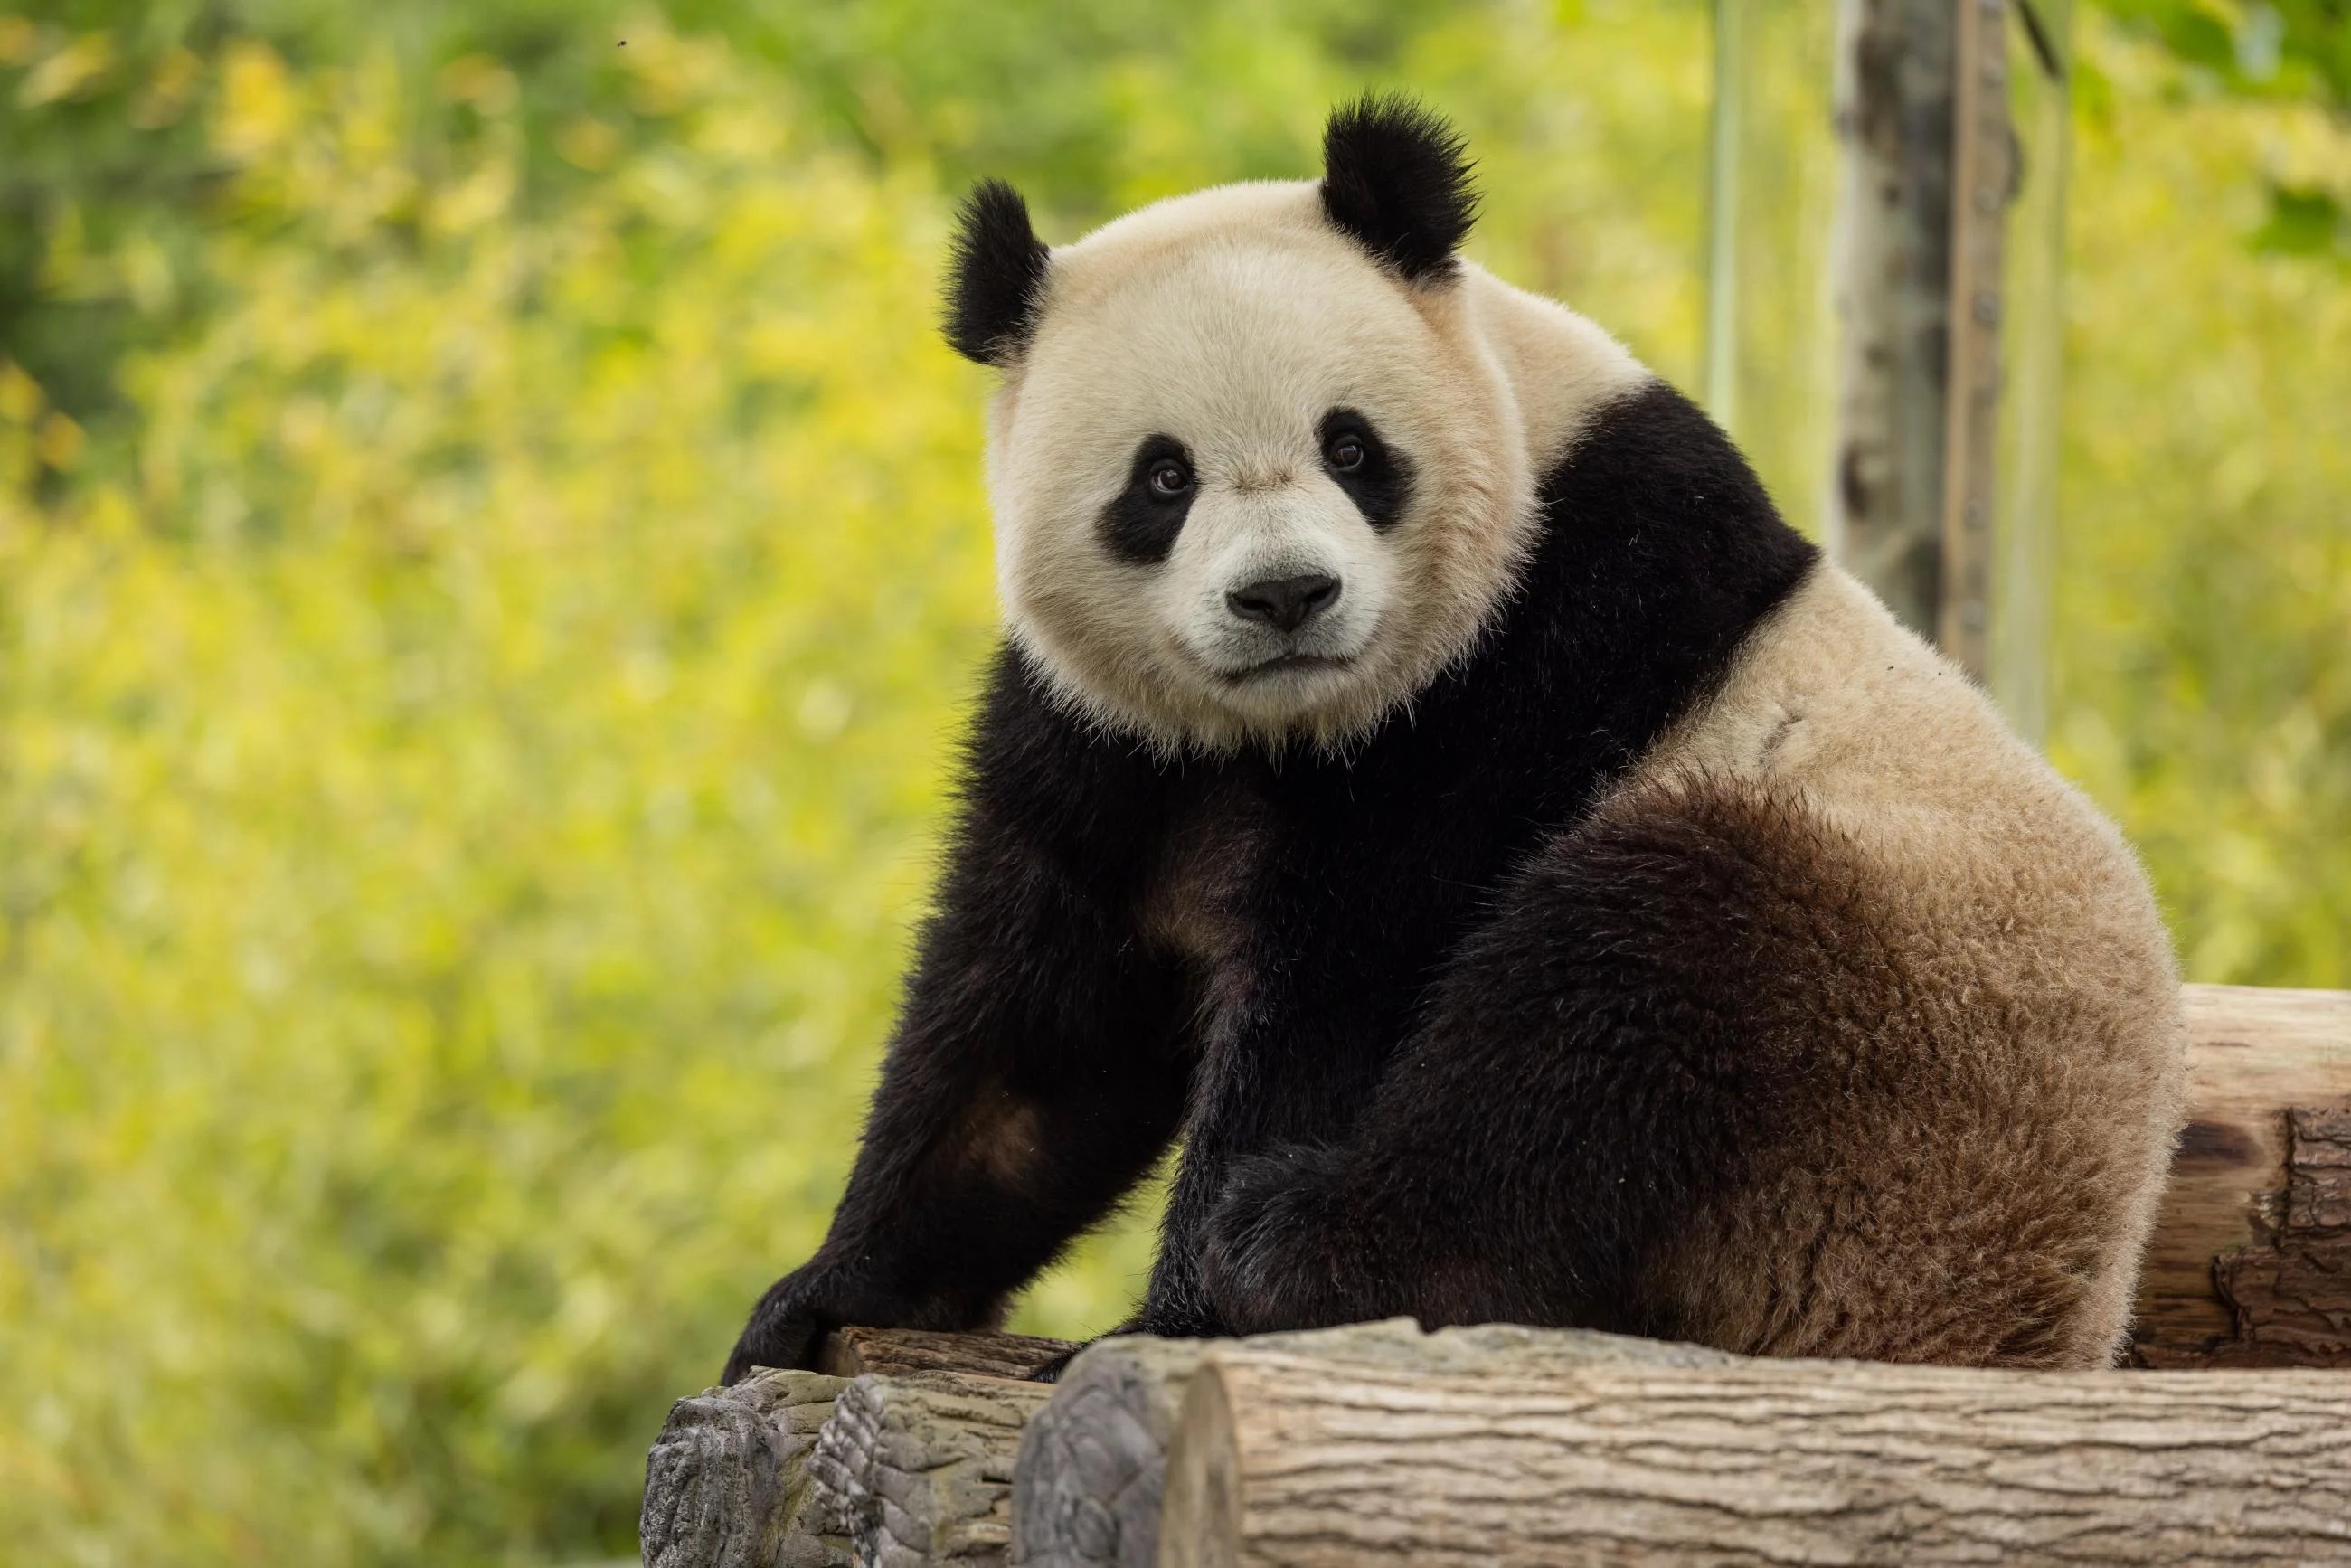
(2302, 221)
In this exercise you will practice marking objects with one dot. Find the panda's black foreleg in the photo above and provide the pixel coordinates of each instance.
(1299, 1076)
(1037, 1073)
(1597, 1062)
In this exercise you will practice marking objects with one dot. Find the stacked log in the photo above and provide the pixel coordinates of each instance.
(899, 1452)
(2250, 1261)
(1377, 1443)
(1287, 1459)
(918, 1469)
(1093, 1463)
(726, 1484)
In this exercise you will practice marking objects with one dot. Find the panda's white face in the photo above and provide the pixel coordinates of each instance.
(1248, 486)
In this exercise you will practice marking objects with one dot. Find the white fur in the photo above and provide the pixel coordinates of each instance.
(1233, 320)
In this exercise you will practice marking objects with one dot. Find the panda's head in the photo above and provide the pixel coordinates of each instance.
(1254, 470)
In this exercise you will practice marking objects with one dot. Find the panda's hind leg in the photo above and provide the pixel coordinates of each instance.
(1631, 1105)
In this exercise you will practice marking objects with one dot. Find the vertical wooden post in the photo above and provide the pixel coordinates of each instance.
(1982, 179)
(1723, 189)
(1922, 116)
(2032, 321)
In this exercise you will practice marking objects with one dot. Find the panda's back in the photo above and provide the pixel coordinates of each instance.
(1981, 993)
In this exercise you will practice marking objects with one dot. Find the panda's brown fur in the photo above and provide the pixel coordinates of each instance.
(1593, 908)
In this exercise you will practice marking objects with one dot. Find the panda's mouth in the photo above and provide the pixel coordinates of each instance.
(1282, 662)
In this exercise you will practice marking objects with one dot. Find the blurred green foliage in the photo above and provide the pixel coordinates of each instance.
(2281, 50)
(2273, 48)
(2203, 675)
(491, 556)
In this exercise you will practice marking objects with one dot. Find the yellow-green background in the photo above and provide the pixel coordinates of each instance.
(492, 558)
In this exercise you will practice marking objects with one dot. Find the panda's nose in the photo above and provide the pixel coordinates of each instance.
(1285, 603)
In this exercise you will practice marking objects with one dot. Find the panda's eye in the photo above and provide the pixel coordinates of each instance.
(1376, 477)
(1168, 478)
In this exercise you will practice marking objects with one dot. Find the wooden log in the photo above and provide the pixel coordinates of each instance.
(2250, 1261)
(1086, 1492)
(725, 1483)
(2251, 1265)
(918, 1469)
(854, 1352)
(1293, 1460)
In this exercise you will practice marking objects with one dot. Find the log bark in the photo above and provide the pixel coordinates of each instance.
(918, 1469)
(1087, 1491)
(2250, 1261)
(725, 1483)
(1293, 1460)
(854, 1352)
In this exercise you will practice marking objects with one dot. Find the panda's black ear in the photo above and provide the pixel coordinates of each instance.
(996, 278)
(1396, 177)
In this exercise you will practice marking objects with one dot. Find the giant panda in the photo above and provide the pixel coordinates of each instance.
(1424, 775)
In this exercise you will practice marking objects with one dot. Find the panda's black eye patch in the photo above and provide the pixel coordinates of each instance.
(1376, 477)
(1141, 523)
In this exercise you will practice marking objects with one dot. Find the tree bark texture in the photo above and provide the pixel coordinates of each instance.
(1286, 1459)
(1983, 181)
(1093, 1463)
(854, 1352)
(1891, 259)
(728, 1483)
(918, 1469)
(2250, 1261)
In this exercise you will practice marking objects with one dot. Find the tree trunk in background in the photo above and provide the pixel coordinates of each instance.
(1923, 119)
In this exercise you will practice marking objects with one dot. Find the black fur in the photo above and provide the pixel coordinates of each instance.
(1621, 1041)
(1140, 525)
(1381, 485)
(1383, 902)
(996, 278)
(1395, 176)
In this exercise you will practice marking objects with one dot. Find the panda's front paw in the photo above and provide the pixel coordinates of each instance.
(787, 1326)
(1279, 1251)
